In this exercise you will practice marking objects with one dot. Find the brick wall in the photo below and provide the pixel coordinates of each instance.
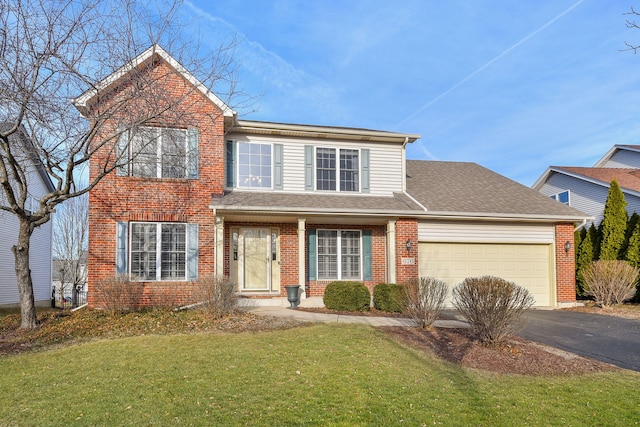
(406, 229)
(565, 264)
(118, 198)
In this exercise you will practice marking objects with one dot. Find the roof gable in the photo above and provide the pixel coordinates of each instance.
(155, 50)
(628, 179)
(616, 148)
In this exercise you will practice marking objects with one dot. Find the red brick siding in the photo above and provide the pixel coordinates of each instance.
(406, 229)
(118, 198)
(565, 264)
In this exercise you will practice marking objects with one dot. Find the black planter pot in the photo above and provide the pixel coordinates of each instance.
(292, 295)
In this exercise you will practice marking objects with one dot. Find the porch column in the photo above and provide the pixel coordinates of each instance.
(218, 243)
(391, 252)
(302, 244)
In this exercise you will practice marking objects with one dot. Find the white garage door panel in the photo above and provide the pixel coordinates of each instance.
(525, 265)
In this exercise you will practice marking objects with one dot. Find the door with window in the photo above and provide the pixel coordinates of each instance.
(255, 261)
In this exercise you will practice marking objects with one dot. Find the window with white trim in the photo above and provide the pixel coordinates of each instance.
(339, 255)
(158, 251)
(159, 152)
(337, 169)
(254, 165)
(562, 197)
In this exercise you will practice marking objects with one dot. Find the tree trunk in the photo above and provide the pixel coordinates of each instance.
(23, 275)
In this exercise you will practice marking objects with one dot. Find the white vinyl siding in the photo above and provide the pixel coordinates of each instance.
(385, 162)
(443, 231)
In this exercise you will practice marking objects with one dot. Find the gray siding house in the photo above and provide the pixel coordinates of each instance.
(39, 184)
(586, 188)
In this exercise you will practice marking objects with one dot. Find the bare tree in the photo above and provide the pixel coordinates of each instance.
(52, 51)
(631, 23)
(70, 234)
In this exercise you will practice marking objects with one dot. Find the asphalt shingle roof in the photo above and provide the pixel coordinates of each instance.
(470, 188)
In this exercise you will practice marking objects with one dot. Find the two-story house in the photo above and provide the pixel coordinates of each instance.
(277, 204)
(587, 188)
(38, 184)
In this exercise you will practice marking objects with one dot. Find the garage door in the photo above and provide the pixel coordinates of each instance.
(528, 265)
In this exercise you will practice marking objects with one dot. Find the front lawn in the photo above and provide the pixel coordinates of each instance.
(329, 374)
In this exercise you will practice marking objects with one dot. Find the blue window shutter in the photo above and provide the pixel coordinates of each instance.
(192, 251)
(367, 255)
(308, 167)
(312, 255)
(365, 170)
(231, 163)
(123, 152)
(122, 239)
(278, 170)
(192, 153)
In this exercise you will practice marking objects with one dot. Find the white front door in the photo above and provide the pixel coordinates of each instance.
(255, 260)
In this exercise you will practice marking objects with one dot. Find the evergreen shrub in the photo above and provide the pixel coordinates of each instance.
(388, 297)
(347, 296)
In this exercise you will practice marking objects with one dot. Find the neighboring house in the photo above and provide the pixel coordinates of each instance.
(69, 275)
(39, 184)
(275, 204)
(586, 188)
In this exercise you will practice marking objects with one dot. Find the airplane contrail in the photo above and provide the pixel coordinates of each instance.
(487, 64)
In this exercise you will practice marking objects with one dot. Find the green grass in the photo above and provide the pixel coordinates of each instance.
(320, 375)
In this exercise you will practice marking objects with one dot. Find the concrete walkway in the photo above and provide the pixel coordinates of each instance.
(307, 316)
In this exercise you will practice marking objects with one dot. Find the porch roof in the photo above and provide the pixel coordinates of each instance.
(398, 204)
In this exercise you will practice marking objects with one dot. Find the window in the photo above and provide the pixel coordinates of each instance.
(339, 255)
(346, 168)
(158, 251)
(159, 153)
(254, 165)
(562, 197)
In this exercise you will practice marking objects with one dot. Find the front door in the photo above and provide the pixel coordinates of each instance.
(257, 259)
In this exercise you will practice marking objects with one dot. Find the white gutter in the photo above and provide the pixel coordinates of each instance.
(584, 222)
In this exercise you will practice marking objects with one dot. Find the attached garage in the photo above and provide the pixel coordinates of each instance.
(522, 254)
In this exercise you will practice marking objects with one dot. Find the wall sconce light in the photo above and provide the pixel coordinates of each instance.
(408, 245)
(567, 246)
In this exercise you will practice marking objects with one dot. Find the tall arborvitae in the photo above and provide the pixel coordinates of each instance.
(584, 255)
(631, 226)
(614, 223)
(633, 248)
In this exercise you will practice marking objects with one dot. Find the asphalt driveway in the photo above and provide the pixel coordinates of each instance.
(606, 338)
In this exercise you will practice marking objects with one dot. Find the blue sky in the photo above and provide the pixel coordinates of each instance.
(515, 86)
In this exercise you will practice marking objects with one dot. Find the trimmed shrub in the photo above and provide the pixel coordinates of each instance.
(610, 282)
(388, 297)
(216, 296)
(424, 300)
(118, 294)
(347, 296)
(492, 306)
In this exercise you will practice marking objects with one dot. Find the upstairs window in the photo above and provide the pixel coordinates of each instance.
(337, 169)
(562, 197)
(254, 165)
(159, 152)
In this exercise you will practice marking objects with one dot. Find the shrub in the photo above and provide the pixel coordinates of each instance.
(388, 297)
(216, 296)
(491, 305)
(348, 296)
(424, 300)
(610, 282)
(118, 294)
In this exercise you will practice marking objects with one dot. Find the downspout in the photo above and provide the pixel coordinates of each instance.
(404, 164)
(584, 222)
